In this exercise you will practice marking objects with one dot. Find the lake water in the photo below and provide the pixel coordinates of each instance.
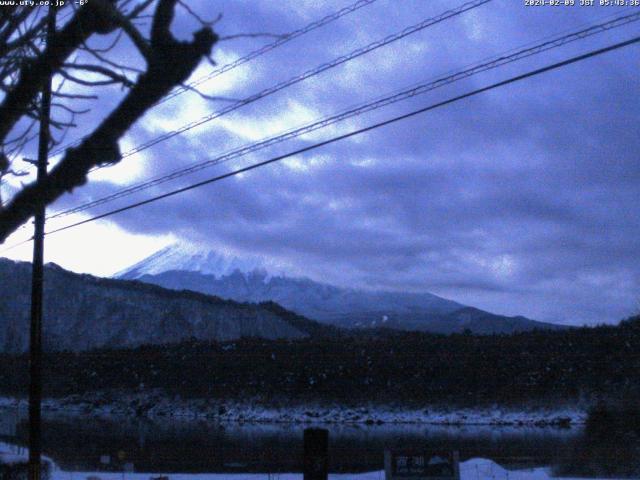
(86, 444)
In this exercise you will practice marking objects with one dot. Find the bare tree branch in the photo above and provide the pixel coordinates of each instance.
(115, 77)
(69, 109)
(170, 63)
(12, 24)
(141, 7)
(201, 21)
(29, 35)
(106, 49)
(75, 96)
(86, 22)
(113, 64)
(125, 23)
(86, 83)
(213, 98)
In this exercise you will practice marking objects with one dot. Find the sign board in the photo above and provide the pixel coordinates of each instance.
(421, 465)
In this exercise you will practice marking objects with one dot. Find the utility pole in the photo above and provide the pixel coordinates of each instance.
(37, 277)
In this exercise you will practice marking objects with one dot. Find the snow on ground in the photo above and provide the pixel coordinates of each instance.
(153, 405)
(473, 469)
(6, 402)
(14, 454)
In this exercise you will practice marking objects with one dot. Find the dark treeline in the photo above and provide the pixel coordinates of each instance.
(582, 364)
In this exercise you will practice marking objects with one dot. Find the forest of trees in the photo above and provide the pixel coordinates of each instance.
(582, 364)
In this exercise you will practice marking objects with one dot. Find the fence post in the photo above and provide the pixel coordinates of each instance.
(316, 454)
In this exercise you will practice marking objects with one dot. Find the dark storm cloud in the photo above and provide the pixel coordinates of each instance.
(520, 201)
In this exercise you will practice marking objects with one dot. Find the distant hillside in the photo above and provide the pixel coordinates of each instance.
(249, 280)
(83, 312)
(465, 319)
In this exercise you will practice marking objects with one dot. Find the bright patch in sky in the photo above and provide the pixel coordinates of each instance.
(128, 170)
(259, 127)
(99, 248)
(508, 201)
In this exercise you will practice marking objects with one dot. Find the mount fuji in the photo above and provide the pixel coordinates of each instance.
(252, 279)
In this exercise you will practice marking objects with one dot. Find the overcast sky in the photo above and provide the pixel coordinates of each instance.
(520, 201)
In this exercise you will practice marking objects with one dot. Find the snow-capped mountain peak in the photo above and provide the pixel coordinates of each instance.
(191, 258)
(251, 279)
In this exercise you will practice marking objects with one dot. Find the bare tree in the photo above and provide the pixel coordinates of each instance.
(163, 63)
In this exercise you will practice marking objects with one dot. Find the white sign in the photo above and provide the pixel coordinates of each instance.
(421, 465)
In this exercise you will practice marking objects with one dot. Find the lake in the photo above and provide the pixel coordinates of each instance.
(88, 444)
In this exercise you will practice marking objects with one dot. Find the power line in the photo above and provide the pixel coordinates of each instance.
(254, 54)
(478, 91)
(267, 48)
(308, 74)
(311, 73)
(419, 89)
(15, 245)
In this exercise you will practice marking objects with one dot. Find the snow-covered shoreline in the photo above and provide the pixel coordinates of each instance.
(158, 407)
(473, 468)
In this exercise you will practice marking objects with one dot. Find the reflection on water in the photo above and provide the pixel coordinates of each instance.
(91, 444)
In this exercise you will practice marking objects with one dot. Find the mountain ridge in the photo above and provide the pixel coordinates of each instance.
(83, 312)
(179, 268)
